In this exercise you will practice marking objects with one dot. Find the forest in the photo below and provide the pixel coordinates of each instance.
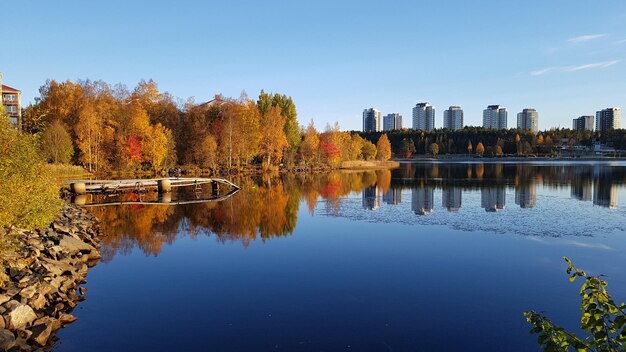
(109, 128)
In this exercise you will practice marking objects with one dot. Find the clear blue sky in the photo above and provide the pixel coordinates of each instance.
(564, 58)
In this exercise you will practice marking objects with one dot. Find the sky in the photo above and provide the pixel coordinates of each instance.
(335, 58)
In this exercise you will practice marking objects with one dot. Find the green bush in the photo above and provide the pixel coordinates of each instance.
(28, 194)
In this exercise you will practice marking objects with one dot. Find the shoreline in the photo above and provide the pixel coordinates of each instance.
(505, 159)
(42, 286)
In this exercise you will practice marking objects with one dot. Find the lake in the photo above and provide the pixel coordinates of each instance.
(426, 257)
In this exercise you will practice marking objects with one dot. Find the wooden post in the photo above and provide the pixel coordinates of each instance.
(165, 198)
(78, 188)
(215, 188)
(164, 186)
(80, 199)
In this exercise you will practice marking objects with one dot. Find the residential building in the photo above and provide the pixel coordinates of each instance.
(495, 116)
(422, 200)
(423, 117)
(371, 120)
(453, 118)
(583, 123)
(528, 120)
(608, 119)
(392, 122)
(451, 198)
(12, 102)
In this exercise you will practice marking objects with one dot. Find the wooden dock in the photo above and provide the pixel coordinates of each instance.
(162, 185)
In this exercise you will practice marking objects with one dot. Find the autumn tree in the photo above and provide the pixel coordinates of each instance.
(407, 147)
(434, 149)
(480, 149)
(309, 147)
(383, 148)
(368, 150)
(469, 147)
(273, 139)
(56, 144)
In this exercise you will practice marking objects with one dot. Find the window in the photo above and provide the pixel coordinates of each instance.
(10, 97)
(11, 109)
(13, 120)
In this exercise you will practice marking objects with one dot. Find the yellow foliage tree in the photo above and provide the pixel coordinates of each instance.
(273, 139)
(383, 148)
(480, 148)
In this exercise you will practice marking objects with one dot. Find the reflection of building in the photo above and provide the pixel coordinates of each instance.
(451, 198)
(371, 120)
(392, 122)
(495, 116)
(526, 196)
(605, 194)
(370, 198)
(582, 191)
(493, 199)
(11, 99)
(528, 120)
(423, 117)
(393, 196)
(583, 123)
(453, 118)
(608, 119)
(422, 200)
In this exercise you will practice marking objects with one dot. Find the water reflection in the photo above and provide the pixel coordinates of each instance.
(267, 207)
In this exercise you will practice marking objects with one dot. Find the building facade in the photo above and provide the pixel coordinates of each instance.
(371, 120)
(392, 122)
(422, 200)
(528, 120)
(12, 102)
(608, 119)
(451, 198)
(453, 118)
(495, 116)
(583, 123)
(423, 117)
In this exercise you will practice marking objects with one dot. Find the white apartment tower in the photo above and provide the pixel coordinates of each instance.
(371, 120)
(608, 119)
(495, 117)
(392, 122)
(423, 117)
(583, 123)
(453, 118)
(528, 120)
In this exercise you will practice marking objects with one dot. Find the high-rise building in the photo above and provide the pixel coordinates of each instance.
(453, 118)
(493, 199)
(526, 195)
(11, 100)
(371, 120)
(528, 120)
(583, 123)
(608, 119)
(495, 116)
(422, 200)
(392, 122)
(451, 198)
(423, 117)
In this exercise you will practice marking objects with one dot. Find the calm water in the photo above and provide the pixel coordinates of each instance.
(439, 257)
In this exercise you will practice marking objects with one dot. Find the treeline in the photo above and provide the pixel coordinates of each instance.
(479, 140)
(106, 128)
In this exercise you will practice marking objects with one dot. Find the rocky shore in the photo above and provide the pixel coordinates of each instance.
(41, 287)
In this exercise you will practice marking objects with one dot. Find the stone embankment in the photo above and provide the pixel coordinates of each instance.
(42, 286)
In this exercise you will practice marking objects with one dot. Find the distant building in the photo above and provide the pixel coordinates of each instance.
(371, 200)
(392, 122)
(528, 120)
(12, 102)
(453, 118)
(422, 200)
(371, 120)
(582, 190)
(608, 119)
(604, 187)
(495, 116)
(393, 196)
(493, 199)
(526, 196)
(423, 117)
(451, 198)
(583, 123)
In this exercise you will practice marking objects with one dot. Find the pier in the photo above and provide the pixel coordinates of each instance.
(162, 185)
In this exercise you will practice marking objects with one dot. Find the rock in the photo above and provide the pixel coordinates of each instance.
(56, 267)
(39, 302)
(82, 290)
(4, 299)
(66, 318)
(43, 329)
(21, 316)
(61, 228)
(7, 340)
(73, 245)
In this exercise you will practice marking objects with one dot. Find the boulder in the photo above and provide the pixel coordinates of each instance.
(43, 330)
(21, 316)
(7, 340)
(73, 245)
